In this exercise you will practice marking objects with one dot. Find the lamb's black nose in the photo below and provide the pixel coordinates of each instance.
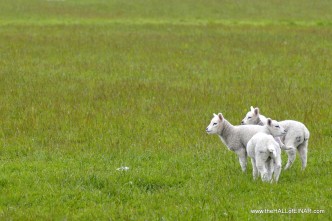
(242, 122)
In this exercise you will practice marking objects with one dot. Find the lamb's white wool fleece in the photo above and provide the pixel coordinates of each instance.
(296, 138)
(237, 137)
(265, 156)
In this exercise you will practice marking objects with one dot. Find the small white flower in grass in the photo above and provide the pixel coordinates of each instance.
(122, 169)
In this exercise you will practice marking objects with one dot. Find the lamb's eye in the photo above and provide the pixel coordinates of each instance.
(277, 126)
(214, 124)
(249, 117)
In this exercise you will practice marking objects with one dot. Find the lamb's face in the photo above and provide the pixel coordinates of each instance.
(275, 128)
(252, 116)
(215, 125)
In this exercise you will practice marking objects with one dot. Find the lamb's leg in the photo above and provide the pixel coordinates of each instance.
(303, 151)
(270, 166)
(254, 169)
(277, 168)
(242, 154)
(281, 144)
(260, 163)
(291, 157)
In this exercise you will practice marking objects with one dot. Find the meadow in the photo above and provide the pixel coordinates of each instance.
(90, 86)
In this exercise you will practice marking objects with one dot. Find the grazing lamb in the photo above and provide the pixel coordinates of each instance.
(237, 137)
(265, 156)
(297, 136)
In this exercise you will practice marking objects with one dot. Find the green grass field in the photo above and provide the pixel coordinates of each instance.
(90, 86)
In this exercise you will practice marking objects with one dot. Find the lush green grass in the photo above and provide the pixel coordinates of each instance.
(305, 11)
(90, 86)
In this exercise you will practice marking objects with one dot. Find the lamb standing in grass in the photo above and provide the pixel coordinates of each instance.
(265, 156)
(237, 137)
(297, 135)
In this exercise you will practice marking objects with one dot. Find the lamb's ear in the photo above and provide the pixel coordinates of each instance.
(269, 121)
(256, 111)
(252, 109)
(220, 116)
(214, 114)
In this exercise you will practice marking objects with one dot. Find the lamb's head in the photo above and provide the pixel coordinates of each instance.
(275, 128)
(216, 124)
(252, 116)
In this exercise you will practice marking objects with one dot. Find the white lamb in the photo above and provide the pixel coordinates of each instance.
(265, 156)
(237, 137)
(297, 135)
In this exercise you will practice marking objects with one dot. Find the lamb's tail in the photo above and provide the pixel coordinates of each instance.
(306, 133)
(272, 150)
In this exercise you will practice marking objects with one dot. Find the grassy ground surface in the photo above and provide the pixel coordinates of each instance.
(90, 86)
